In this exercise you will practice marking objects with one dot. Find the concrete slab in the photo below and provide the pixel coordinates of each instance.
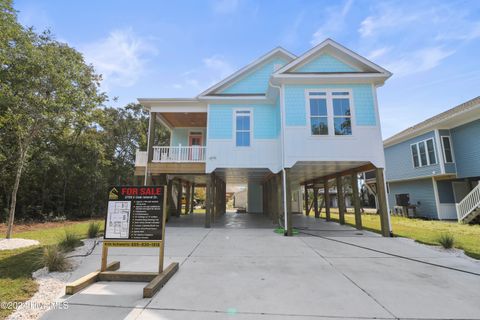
(81, 312)
(151, 314)
(113, 294)
(415, 290)
(238, 271)
(304, 286)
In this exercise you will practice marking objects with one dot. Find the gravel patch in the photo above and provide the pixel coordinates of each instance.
(51, 286)
(15, 243)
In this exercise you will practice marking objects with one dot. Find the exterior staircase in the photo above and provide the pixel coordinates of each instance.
(468, 210)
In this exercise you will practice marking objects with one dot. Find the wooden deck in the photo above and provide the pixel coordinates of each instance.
(172, 167)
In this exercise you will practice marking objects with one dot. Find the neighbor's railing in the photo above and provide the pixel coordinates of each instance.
(469, 203)
(179, 154)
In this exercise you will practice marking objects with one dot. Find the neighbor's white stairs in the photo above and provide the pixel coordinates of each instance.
(468, 209)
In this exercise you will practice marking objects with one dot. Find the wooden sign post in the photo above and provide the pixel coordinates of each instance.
(136, 218)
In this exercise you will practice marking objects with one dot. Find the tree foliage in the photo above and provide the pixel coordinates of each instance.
(60, 146)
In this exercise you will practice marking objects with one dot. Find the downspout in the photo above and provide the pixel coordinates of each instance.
(148, 147)
(282, 147)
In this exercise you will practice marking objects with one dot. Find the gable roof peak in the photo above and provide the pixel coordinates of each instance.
(275, 51)
(340, 50)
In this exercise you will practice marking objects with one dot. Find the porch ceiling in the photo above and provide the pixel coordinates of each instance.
(305, 171)
(184, 119)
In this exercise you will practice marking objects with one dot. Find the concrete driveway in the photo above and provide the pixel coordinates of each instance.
(243, 270)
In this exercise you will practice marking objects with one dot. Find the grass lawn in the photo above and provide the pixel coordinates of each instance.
(467, 237)
(16, 266)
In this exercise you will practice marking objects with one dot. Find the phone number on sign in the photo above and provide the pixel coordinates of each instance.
(15, 305)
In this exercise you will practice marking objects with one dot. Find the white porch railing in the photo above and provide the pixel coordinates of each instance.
(468, 204)
(179, 154)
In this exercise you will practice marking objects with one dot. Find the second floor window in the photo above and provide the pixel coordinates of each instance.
(423, 153)
(330, 113)
(447, 149)
(242, 128)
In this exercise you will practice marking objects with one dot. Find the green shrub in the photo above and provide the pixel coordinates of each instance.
(70, 241)
(93, 229)
(446, 240)
(54, 259)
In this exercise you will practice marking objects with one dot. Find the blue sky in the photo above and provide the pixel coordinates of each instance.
(178, 48)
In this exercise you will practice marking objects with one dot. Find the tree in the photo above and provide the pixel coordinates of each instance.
(45, 87)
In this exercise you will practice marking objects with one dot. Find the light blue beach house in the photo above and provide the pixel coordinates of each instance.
(280, 123)
(437, 164)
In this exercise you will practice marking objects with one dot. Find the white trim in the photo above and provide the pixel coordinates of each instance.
(441, 156)
(437, 198)
(420, 165)
(234, 135)
(451, 149)
(247, 68)
(337, 46)
(330, 112)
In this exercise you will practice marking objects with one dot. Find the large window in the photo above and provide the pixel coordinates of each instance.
(447, 149)
(342, 118)
(330, 110)
(423, 153)
(242, 128)
(318, 113)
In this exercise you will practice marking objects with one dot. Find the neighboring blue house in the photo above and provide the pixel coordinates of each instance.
(280, 123)
(437, 163)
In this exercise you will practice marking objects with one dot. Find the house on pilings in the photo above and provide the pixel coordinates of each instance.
(279, 124)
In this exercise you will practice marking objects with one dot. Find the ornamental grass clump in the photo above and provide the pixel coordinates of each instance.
(93, 229)
(70, 241)
(54, 259)
(446, 240)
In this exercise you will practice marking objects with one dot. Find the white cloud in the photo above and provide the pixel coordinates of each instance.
(413, 37)
(213, 69)
(225, 6)
(120, 57)
(334, 22)
(377, 53)
(419, 61)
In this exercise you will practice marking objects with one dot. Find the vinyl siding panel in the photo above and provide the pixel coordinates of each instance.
(399, 163)
(266, 120)
(325, 63)
(363, 100)
(466, 148)
(421, 195)
(257, 80)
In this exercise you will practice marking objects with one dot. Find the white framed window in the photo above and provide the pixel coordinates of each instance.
(423, 153)
(330, 112)
(447, 149)
(243, 128)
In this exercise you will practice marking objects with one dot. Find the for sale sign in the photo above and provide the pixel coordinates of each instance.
(135, 214)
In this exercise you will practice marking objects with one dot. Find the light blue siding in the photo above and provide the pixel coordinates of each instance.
(421, 195)
(466, 149)
(399, 163)
(266, 121)
(179, 136)
(220, 124)
(326, 63)
(449, 167)
(257, 80)
(295, 110)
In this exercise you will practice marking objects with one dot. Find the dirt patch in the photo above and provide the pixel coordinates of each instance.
(36, 226)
